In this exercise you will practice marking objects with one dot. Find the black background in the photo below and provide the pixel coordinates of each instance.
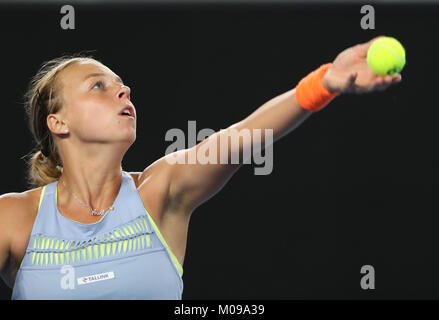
(354, 185)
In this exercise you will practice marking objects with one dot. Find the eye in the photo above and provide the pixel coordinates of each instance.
(98, 85)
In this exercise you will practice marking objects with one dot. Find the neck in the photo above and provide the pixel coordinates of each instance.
(104, 198)
(94, 177)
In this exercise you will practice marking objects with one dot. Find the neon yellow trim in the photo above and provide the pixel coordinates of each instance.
(143, 242)
(90, 253)
(138, 227)
(41, 197)
(95, 247)
(84, 255)
(114, 248)
(35, 238)
(173, 257)
(144, 222)
(148, 240)
(42, 242)
(102, 247)
(119, 246)
(108, 248)
(125, 242)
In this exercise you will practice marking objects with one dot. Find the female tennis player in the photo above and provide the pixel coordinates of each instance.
(90, 230)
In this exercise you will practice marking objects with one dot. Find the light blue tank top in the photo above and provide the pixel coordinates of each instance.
(123, 256)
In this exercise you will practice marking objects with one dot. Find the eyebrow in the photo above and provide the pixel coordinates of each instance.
(118, 79)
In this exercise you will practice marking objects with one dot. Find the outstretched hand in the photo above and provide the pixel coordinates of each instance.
(350, 72)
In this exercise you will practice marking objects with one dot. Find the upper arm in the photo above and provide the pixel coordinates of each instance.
(153, 187)
(192, 182)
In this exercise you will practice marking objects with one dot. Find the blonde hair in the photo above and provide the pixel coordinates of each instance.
(42, 98)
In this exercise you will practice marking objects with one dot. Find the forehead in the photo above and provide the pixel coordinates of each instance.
(76, 73)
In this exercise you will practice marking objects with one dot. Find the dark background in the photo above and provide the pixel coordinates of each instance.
(355, 184)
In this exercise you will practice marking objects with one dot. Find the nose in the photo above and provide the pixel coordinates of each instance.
(124, 92)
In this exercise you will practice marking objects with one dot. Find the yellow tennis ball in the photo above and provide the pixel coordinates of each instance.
(386, 55)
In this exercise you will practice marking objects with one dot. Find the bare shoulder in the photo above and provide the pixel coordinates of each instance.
(18, 205)
(159, 168)
(18, 211)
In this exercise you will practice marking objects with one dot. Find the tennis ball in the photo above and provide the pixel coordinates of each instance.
(386, 55)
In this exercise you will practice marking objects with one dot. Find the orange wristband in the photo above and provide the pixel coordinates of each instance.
(310, 92)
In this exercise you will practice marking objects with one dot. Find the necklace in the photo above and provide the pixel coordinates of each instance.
(93, 211)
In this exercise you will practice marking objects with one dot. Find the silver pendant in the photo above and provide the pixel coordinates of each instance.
(102, 212)
(95, 213)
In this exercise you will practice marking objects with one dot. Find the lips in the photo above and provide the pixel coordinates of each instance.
(130, 109)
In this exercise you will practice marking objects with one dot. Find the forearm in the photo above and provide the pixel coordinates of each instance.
(282, 114)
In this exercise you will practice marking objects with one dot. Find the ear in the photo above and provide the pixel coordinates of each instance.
(56, 124)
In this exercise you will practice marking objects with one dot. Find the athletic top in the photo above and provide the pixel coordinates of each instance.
(122, 256)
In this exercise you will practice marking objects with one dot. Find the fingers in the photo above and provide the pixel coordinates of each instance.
(384, 82)
(379, 83)
(397, 78)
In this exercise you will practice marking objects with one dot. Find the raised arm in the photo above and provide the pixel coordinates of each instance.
(192, 184)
